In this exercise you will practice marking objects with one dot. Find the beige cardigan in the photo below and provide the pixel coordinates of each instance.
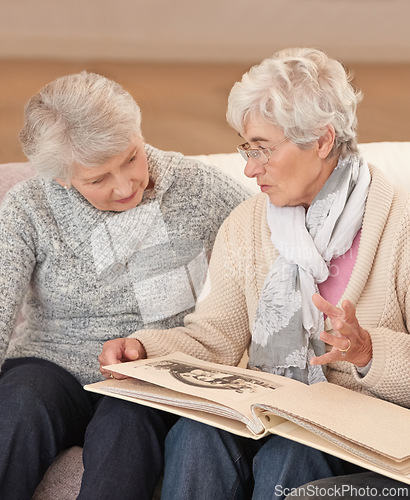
(220, 328)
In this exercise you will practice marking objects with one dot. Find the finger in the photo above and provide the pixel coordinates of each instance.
(117, 351)
(346, 330)
(130, 352)
(350, 324)
(336, 342)
(326, 307)
(112, 375)
(106, 373)
(350, 312)
(109, 374)
(112, 352)
(329, 357)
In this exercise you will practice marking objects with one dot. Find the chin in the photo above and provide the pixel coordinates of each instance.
(276, 202)
(287, 203)
(123, 208)
(116, 208)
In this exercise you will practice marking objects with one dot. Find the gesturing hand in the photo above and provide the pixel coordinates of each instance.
(350, 341)
(119, 351)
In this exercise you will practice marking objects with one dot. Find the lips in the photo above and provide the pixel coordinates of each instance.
(126, 200)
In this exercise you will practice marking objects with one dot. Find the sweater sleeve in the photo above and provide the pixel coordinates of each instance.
(209, 193)
(17, 257)
(218, 329)
(223, 194)
(389, 374)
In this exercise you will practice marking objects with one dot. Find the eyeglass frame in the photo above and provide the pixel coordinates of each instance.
(245, 152)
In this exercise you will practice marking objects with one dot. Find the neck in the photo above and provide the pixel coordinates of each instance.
(328, 165)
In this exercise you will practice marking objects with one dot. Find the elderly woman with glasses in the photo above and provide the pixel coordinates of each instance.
(106, 239)
(310, 277)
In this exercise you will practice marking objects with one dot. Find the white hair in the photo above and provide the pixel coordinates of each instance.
(82, 118)
(301, 91)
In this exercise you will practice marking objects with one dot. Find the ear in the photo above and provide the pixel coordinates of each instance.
(325, 143)
(62, 183)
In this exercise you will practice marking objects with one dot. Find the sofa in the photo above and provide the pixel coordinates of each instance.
(62, 479)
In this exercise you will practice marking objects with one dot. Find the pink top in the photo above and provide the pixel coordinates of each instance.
(340, 271)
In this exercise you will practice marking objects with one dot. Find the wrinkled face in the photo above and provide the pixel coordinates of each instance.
(292, 176)
(119, 184)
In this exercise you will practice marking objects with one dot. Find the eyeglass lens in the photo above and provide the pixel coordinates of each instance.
(254, 154)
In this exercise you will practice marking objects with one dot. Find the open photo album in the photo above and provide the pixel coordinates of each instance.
(361, 429)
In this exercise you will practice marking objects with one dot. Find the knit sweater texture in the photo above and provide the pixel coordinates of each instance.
(84, 276)
(220, 328)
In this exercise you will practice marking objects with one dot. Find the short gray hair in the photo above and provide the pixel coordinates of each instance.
(82, 118)
(301, 91)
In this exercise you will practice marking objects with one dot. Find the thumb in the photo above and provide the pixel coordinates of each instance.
(131, 350)
(131, 354)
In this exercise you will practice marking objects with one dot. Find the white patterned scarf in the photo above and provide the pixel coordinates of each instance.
(287, 325)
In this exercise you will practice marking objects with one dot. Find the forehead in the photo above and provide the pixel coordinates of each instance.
(85, 172)
(258, 130)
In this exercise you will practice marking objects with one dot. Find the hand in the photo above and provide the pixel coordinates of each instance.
(349, 335)
(119, 351)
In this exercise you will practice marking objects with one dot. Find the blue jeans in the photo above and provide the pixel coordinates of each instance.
(123, 451)
(44, 409)
(202, 463)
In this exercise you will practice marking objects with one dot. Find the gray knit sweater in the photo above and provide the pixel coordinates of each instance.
(84, 276)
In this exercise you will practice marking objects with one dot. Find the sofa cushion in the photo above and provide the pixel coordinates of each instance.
(62, 480)
(12, 173)
(391, 157)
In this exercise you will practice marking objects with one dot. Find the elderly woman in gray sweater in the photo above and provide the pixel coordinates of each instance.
(111, 236)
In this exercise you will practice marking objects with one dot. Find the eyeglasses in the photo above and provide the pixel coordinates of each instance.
(261, 156)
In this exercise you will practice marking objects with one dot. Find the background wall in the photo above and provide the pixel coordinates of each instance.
(196, 30)
(180, 58)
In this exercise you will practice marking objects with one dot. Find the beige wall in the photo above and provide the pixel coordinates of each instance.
(211, 30)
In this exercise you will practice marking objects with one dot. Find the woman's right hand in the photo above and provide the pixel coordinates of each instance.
(119, 351)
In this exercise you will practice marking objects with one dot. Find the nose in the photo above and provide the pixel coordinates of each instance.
(122, 187)
(253, 168)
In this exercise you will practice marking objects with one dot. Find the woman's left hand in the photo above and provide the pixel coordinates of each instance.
(350, 342)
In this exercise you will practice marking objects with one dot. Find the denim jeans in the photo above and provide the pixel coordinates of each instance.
(123, 451)
(202, 463)
(44, 409)
(362, 486)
